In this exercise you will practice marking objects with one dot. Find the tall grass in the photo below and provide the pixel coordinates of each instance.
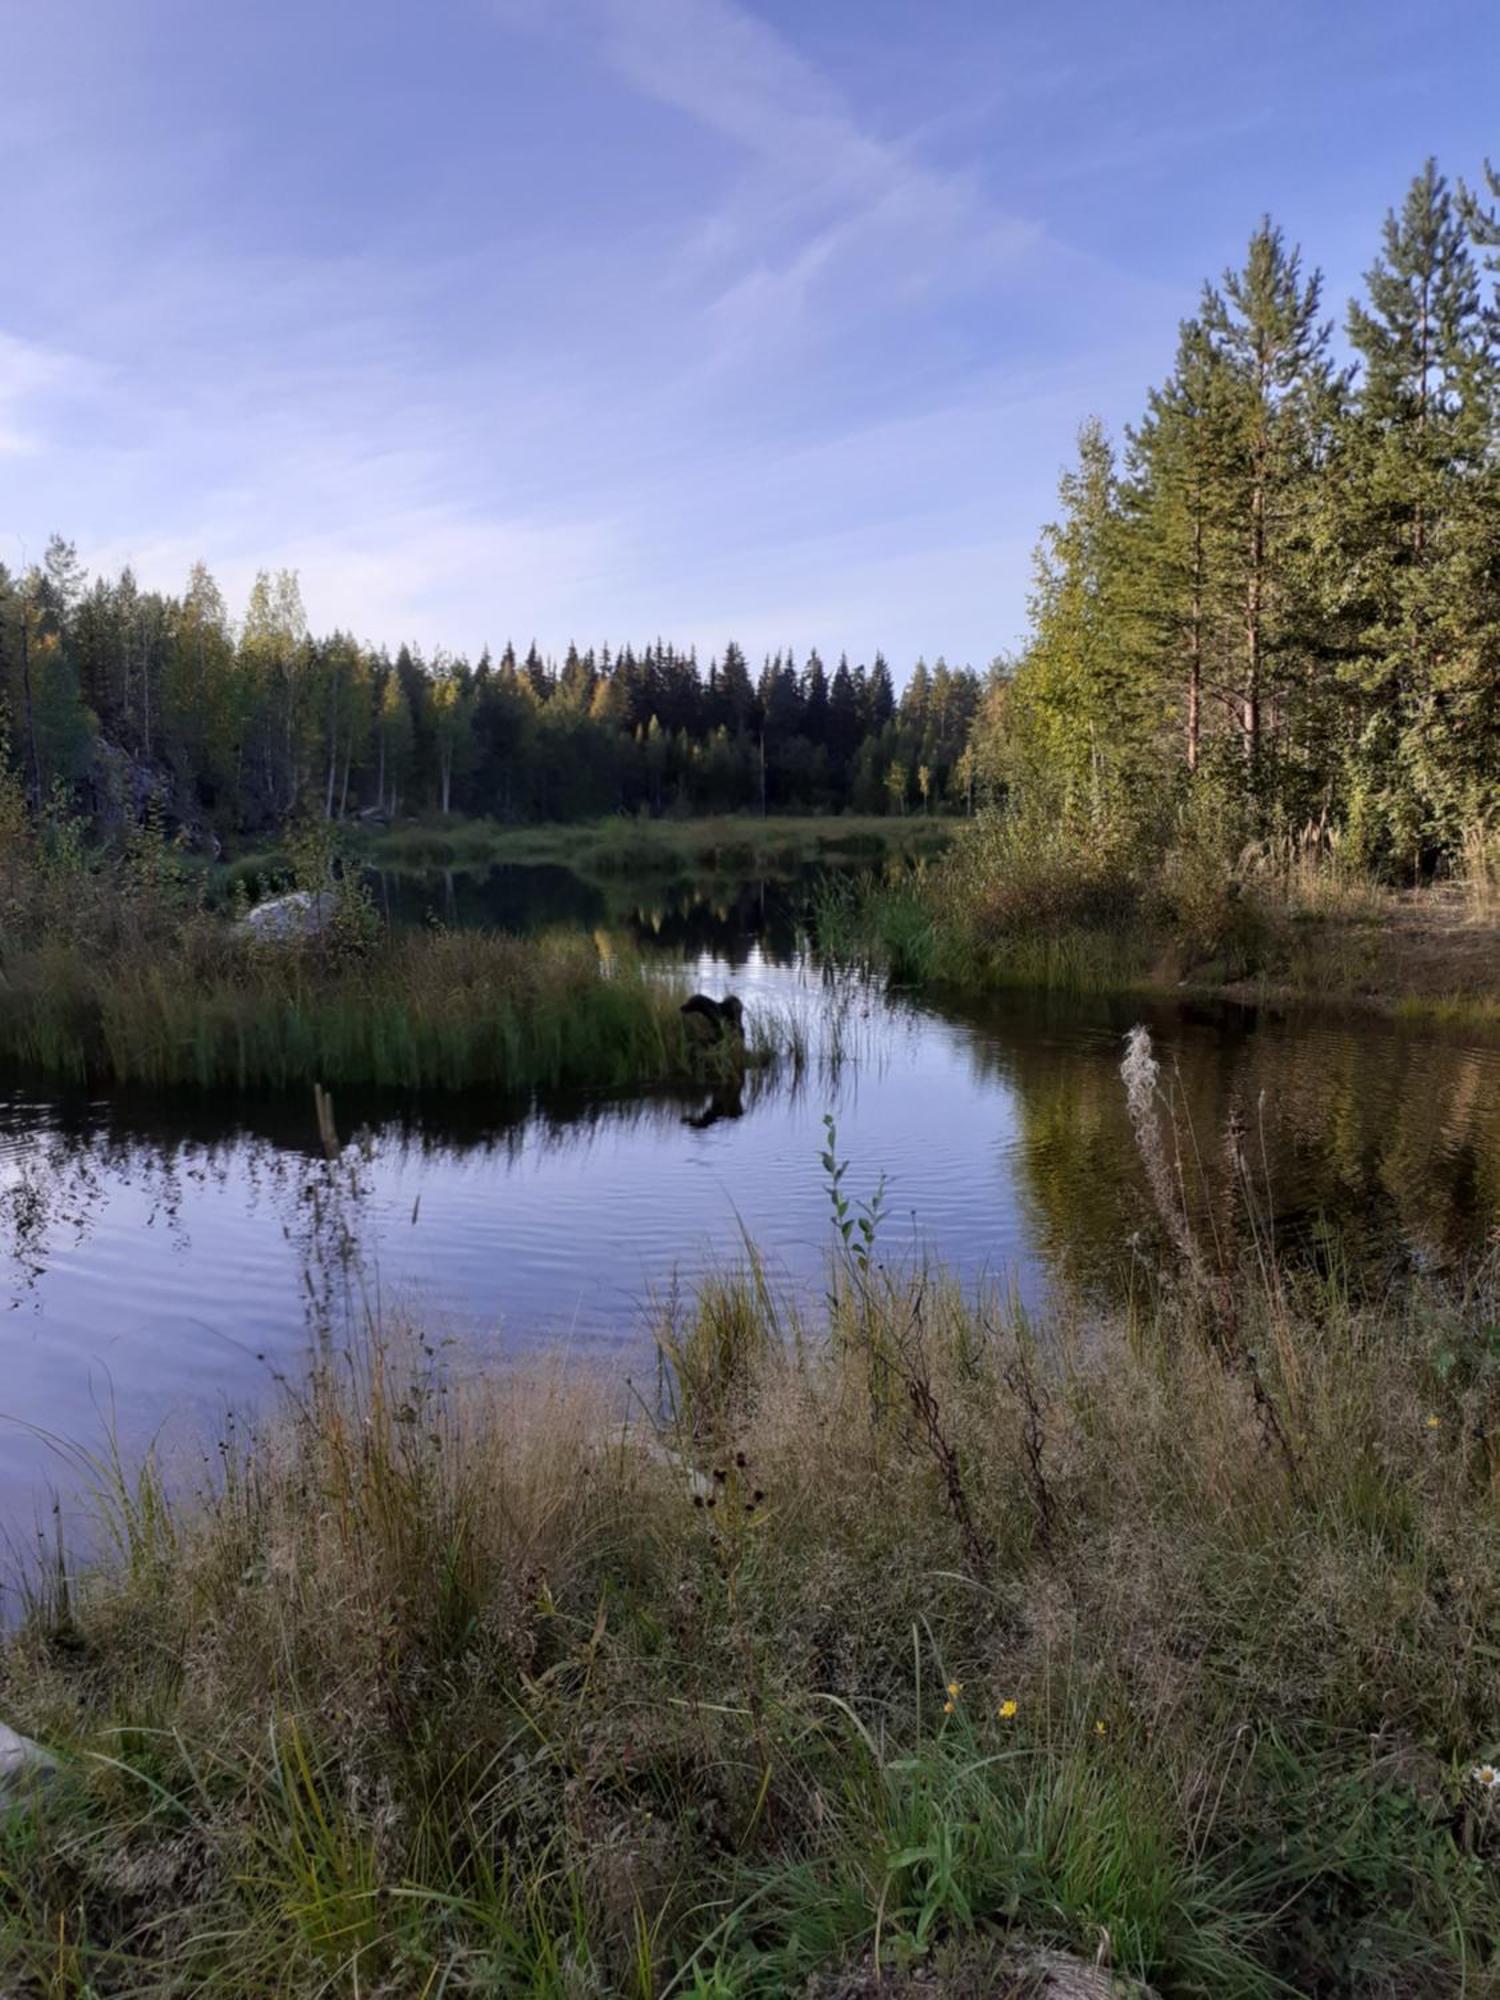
(907, 1631)
(444, 1010)
(1019, 900)
(112, 971)
(1480, 871)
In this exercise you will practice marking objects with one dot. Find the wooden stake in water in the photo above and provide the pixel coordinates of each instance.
(327, 1131)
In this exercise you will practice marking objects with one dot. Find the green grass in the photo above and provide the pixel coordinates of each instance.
(1013, 903)
(421, 1009)
(489, 1683)
(112, 970)
(733, 844)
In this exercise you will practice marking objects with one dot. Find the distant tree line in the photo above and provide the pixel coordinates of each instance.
(116, 696)
(1277, 605)
(1282, 598)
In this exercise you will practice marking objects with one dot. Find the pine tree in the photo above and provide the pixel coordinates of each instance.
(843, 718)
(1073, 728)
(880, 703)
(815, 700)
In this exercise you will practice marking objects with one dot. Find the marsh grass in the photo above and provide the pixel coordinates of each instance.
(902, 1626)
(445, 1010)
(1017, 901)
(734, 844)
(113, 971)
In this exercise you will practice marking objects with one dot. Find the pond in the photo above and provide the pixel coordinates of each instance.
(161, 1258)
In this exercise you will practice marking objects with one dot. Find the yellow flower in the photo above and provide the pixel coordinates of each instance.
(1007, 1710)
(1434, 1422)
(947, 1708)
(1098, 1728)
(955, 1689)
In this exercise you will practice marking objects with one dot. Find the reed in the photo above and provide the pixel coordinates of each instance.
(113, 971)
(438, 1010)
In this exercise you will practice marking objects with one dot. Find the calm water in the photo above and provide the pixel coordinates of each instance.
(159, 1258)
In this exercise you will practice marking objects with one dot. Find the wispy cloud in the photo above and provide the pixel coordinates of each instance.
(823, 212)
(579, 317)
(32, 377)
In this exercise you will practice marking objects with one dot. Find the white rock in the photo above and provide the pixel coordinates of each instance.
(282, 919)
(22, 1765)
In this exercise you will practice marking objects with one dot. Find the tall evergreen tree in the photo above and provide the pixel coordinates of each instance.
(1265, 327)
(1417, 450)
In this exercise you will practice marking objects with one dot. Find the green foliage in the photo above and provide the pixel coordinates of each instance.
(114, 971)
(856, 1224)
(1289, 600)
(122, 695)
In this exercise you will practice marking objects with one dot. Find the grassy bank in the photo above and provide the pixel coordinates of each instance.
(908, 1633)
(446, 1010)
(112, 971)
(1014, 904)
(735, 844)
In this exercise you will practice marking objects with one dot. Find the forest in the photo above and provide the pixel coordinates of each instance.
(1276, 602)
(1282, 594)
(118, 695)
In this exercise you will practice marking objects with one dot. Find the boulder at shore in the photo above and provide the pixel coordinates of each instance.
(22, 1765)
(284, 919)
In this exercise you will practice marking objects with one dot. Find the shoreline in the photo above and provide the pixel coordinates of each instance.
(906, 1632)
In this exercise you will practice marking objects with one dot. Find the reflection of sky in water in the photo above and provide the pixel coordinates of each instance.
(159, 1262)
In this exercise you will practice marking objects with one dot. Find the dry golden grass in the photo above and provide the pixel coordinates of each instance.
(504, 1684)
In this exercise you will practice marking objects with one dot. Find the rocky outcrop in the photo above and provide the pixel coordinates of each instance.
(121, 790)
(124, 788)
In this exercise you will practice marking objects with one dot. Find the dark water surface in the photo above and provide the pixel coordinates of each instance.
(161, 1257)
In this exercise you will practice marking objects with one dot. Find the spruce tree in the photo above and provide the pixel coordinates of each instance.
(1417, 459)
(1265, 330)
(1175, 584)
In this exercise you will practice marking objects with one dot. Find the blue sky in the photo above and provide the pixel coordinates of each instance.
(607, 318)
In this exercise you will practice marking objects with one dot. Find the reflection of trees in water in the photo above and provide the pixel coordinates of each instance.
(49, 1188)
(730, 916)
(1381, 1139)
(64, 1161)
(1389, 1136)
(69, 1159)
(55, 1181)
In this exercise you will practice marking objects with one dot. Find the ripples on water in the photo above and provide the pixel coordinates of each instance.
(167, 1255)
